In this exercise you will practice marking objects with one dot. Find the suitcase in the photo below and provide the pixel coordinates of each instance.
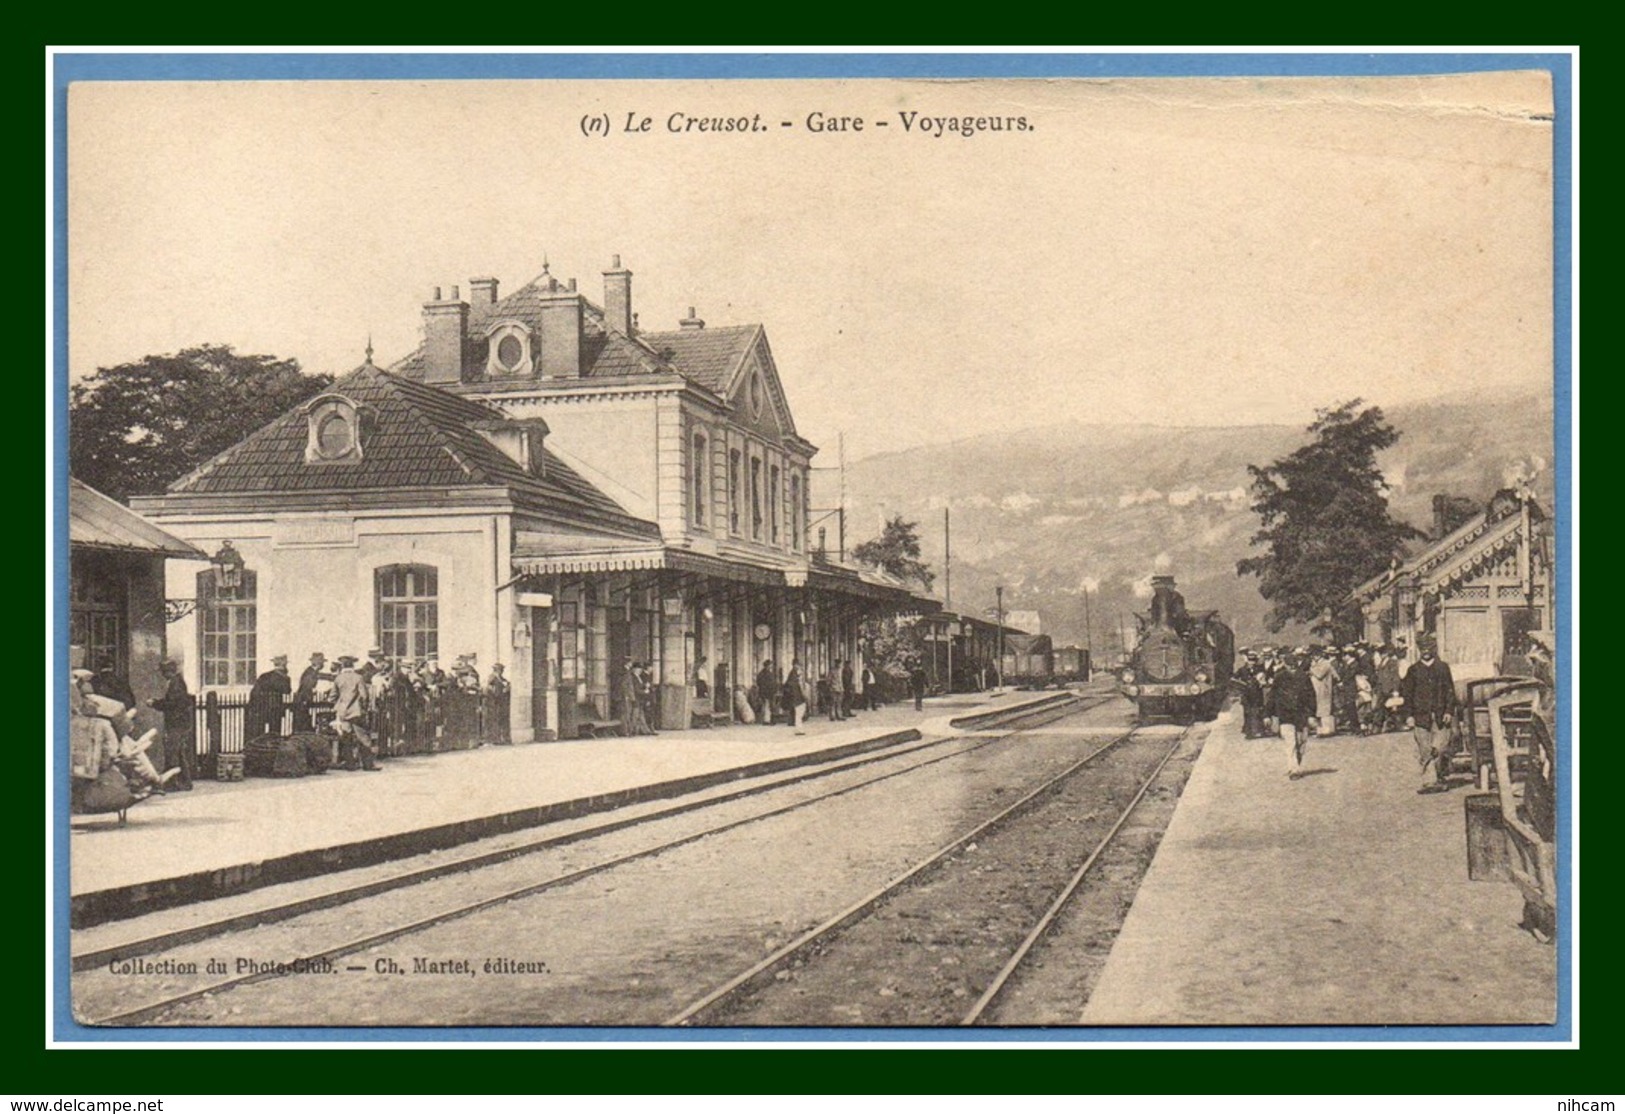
(287, 755)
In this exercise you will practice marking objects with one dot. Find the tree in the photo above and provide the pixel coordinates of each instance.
(137, 427)
(1324, 515)
(897, 551)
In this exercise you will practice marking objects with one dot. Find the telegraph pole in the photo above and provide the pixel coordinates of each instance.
(999, 592)
(948, 597)
(841, 448)
(1088, 633)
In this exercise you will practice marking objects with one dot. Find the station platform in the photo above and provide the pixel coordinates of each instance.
(1341, 898)
(227, 837)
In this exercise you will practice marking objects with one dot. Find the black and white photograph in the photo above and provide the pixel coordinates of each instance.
(572, 557)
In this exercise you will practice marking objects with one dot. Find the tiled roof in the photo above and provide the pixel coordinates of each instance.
(709, 357)
(99, 522)
(1453, 556)
(413, 436)
(703, 356)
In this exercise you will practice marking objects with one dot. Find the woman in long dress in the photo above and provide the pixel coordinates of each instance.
(1323, 676)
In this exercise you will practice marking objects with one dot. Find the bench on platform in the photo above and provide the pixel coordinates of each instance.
(598, 729)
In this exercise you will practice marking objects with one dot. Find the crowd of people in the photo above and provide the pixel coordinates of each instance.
(788, 697)
(382, 705)
(1358, 689)
(370, 707)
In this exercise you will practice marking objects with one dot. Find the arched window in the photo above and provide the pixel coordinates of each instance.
(795, 511)
(733, 490)
(408, 601)
(227, 626)
(773, 504)
(699, 464)
(756, 510)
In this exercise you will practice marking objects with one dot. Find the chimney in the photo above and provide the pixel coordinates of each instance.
(692, 321)
(445, 324)
(618, 298)
(1441, 515)
(482, 291)
(561, 332)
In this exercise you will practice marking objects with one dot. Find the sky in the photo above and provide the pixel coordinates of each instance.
(1175, 251)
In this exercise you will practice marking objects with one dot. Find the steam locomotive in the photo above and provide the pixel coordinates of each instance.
(1181, 666)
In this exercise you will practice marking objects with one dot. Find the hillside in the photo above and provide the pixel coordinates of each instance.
(1044, 511)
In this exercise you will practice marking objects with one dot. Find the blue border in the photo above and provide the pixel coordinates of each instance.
(71, 68)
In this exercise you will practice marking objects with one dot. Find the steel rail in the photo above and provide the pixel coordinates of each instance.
(1002, 979)
(98, 957)
(1049, 712)
(866, 904)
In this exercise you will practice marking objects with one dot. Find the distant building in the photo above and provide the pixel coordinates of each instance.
(1027, 621)
(1479, 589)
(544, 483)
(962, 651)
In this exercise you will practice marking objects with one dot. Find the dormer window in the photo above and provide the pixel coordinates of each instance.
(335, 437)
(509, 343)
(333, 430)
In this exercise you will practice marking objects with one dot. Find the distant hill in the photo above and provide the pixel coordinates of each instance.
(1042, 511)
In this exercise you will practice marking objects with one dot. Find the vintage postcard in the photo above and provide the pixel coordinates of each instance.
(1021, 548)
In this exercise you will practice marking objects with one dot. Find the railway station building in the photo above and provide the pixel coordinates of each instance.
(1480, 589)
(541, 483)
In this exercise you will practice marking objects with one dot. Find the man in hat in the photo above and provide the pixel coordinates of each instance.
(1251, 694)
(1385, 688)
(315, 673)
(767, 691)
(353, 700)
(634, 719)
(498, 690)
(178, 708)
(111, 681)
(1292, 702)
(271, 690)
(1430, 704)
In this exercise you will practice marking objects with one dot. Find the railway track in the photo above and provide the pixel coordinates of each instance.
(945, 911)
(916, 756)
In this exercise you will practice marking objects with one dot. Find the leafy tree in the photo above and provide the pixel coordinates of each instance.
(1324, 515)
(897, 551)
(137, 427)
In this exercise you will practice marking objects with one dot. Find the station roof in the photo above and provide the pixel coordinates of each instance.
(706, 357)
(1446, 561)
(97, 521)
(413, 437)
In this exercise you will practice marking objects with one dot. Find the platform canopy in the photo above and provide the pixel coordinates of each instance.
(539, 553)
(97, 521)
